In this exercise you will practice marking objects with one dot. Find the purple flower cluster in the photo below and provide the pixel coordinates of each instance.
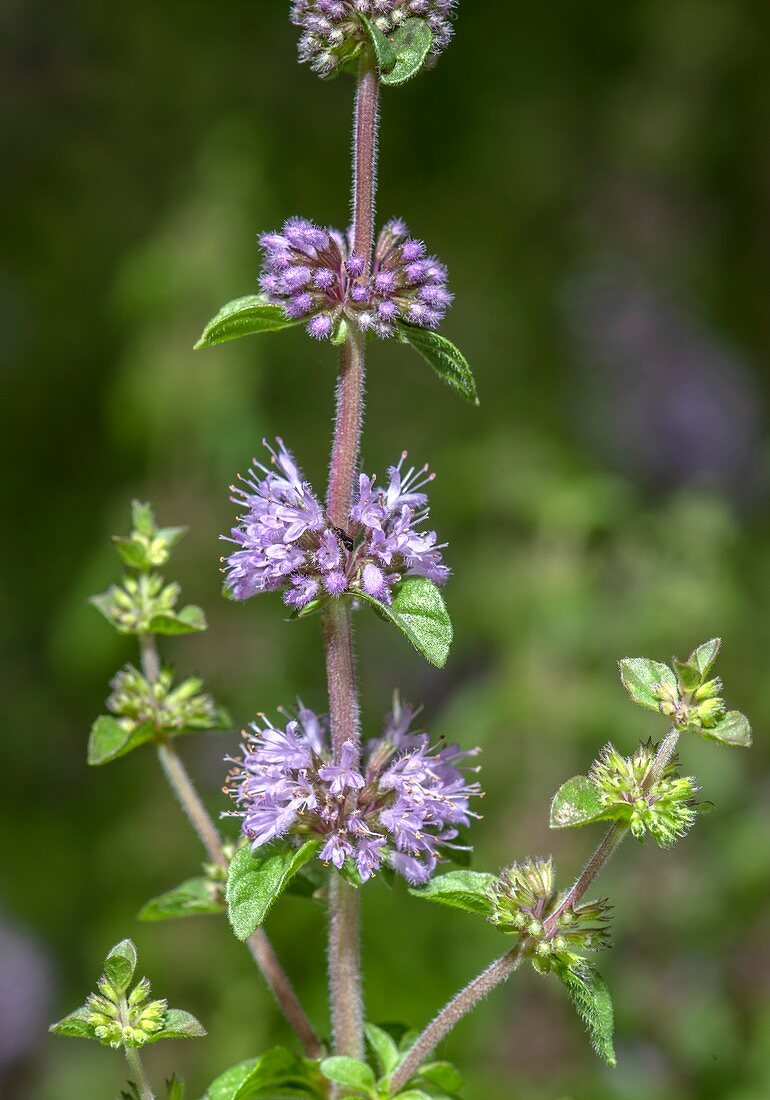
(313, 273)
(399, 806)
(284, 539)
(333, 33)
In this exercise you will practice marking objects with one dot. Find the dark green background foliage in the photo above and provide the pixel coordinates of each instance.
(596, 176)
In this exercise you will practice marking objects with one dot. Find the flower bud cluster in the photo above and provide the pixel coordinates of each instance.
(333, 33)
(173, 709)
(698, 704)
(665, 809)
(129, 1022)
(315, 275)
(525, 903)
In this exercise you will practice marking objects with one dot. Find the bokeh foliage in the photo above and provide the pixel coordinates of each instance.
(596, 177)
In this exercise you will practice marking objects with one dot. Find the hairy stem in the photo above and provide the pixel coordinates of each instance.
(208, 834)
(469, 997)
(344, 917)
(453, 1012)
(137, 1073)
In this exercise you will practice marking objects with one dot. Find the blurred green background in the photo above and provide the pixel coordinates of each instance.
(597, 178)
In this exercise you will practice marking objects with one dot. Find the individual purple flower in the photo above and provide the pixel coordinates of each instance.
(333, 35)
(401, 805)
(314, 275)
(285, 542)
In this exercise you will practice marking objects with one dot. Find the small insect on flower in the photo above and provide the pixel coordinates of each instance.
(525, 903)
(334, 35)
(401, 805)
(665, 809)
(284, 540)
(315, 275)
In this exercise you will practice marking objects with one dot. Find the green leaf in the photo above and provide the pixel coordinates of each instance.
(244, 317)
(413, 1094)
(384, 1048)
(120, 964)
(132, 552)
(734, 729)
(704, 656)
(410, 43)
(187, 621)
(195, 897)
(688, 675)
(75, 1026)
(419, 611)
(468, 890)
(593, 1003)
(351, 1073)
(178, 1024)
(227, 1084)
(640, 678)
(576, 803)
(256, 879)
(444, 1076)
(448, 362)
(383, 51)
(109, 740)
(277, 1073)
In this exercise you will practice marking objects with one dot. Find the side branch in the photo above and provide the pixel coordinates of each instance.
(208, 834)
(453, 1012)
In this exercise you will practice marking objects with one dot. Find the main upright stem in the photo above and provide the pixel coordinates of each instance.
(208, 834)
(344, 919)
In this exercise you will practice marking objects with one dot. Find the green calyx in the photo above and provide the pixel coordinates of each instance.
(665, 810)
(525, 903)
(120, 1016)
(687, 695)
(170, 709)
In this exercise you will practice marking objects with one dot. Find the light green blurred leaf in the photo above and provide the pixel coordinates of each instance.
(195, 897)
(734, 729)
(576, 803)
(109, 740)
(120, 964)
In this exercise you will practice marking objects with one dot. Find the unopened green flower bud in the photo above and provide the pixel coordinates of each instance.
(664, 809)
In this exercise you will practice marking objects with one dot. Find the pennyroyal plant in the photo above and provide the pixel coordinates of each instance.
(322, 807)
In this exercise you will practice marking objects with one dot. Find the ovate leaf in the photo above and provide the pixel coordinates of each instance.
(120, 964)
(704, 656)
(593, 1003)
(178, 1024)
(244, 317)
(228, 1083)
(641, 677)
(351, 1073)
(576, 803)
(383, 51)
(195, 897)
(256, 879)
(444, 1076)
(410, 44)
(448, 362)
(468, 890)
(109, 740)
(734, 729)
(75, 1026)
(383, 1047)
(187, 621)
(419, 611)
